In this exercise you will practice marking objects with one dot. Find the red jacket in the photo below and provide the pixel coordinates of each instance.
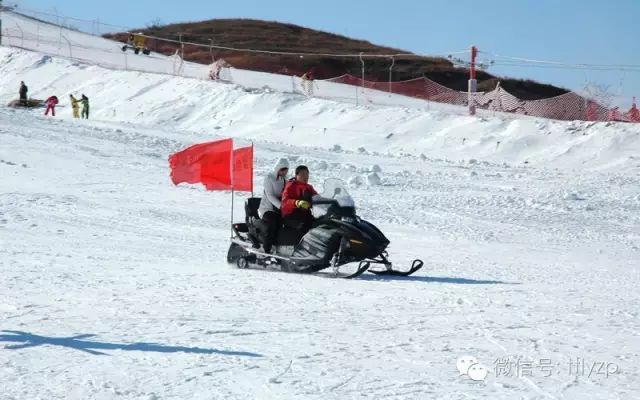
(294, 190)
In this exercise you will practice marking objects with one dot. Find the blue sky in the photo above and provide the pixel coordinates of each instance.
(571, 31)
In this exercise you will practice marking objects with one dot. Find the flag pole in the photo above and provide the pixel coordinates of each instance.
(232, 188)
(251, 169)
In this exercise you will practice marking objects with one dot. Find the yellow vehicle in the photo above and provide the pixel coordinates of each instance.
(136, 43)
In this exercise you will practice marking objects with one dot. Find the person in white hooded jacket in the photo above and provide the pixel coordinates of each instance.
(269, 209)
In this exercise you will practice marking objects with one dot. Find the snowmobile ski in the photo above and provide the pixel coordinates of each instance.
(269, 263)
(389, 271)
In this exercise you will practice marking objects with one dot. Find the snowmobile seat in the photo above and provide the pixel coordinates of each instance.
(252, 219)
(287, 236)
(251, 206)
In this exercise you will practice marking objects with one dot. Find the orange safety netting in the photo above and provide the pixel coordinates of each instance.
(568, 106)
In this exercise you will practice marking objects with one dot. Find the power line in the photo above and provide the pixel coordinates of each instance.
(575, 67)
(528, 62)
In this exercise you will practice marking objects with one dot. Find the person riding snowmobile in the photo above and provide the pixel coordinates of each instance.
(269, 209)
(296, 202)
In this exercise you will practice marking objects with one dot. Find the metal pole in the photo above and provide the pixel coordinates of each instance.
(232, 196)
(1, 8)
(211, 51)
(362, 62)
(393, 61)
(60, 38)
(21, 34)
(252, 167)
(473, 84)
(232, 188)
(69, 43)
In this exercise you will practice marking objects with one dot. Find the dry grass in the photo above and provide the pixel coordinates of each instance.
(275, 36)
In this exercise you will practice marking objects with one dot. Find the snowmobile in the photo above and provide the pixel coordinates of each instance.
(136, 43)
(338, 240)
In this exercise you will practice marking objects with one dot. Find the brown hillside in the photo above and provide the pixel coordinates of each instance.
(276, 36)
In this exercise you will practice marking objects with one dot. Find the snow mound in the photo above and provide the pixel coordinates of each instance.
(374, 179)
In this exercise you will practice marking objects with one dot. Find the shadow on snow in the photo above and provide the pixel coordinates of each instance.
(455, 280)
(25, 340)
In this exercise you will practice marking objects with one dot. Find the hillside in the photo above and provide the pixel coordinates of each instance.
(251, 34)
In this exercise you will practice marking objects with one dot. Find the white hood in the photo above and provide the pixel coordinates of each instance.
(282, 163)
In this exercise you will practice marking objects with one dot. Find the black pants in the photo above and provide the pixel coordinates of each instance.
(23, 101)
(271, 223)
(301, 221)
(85, 112)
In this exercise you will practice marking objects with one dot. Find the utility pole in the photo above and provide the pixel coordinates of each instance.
(473, 83)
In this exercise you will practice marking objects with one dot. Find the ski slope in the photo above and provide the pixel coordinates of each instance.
(113, 283)
(33, 34)
(270, 106)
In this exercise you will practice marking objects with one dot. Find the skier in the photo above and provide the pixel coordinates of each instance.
(269, 210)
(75, 107)
(84, 100)
(296, 202)
(51, 105)
(23, 94)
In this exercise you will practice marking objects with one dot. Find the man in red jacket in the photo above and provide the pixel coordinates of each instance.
(296, 201)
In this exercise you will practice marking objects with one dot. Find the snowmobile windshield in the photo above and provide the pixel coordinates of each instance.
(334, 189)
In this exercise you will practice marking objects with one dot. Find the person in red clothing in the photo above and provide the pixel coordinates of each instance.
(296, 201)
(51, 105)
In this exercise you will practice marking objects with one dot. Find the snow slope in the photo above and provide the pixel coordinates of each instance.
(266, 107)
(113, 283)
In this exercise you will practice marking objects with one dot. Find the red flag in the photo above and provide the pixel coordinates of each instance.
(206, 163)
(243, 169)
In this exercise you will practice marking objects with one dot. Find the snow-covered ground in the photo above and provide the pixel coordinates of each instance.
(95, 240)
(113, 282)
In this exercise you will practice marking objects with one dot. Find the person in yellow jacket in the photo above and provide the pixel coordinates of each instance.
(75, 106)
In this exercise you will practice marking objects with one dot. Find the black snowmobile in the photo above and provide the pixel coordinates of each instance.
(338, 239)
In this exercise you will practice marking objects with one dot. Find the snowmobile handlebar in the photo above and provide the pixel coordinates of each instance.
(327, 201)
